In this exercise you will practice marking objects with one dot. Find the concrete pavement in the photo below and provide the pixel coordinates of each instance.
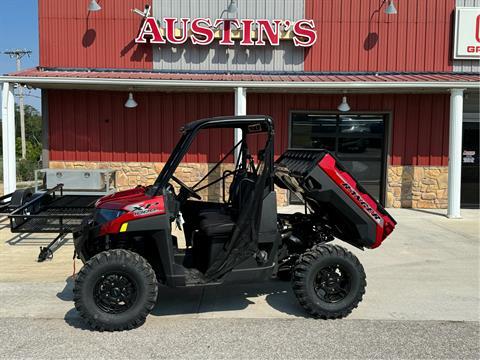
(422, 299)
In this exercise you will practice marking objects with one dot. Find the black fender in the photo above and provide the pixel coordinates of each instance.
(21, 197)
(156, 228)
(159, 229)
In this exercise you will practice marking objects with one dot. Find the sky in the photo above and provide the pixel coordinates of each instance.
(19, 29)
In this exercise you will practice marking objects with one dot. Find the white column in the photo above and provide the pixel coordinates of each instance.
(455, 153)
(8, 136)
(240, 110)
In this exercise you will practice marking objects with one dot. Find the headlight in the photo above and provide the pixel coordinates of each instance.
(103, 216)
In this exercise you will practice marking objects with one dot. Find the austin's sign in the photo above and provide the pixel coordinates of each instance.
(246, 32)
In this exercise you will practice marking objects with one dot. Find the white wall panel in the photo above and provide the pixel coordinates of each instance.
(285, 57)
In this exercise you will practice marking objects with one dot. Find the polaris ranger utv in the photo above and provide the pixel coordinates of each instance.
(128, 248)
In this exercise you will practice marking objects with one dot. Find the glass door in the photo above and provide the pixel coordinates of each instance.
(358, 140)
(470, 197)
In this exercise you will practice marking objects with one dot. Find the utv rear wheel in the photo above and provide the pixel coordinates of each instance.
(329, 281)
(115, 290)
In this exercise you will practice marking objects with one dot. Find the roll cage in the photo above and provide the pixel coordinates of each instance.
(250, 124)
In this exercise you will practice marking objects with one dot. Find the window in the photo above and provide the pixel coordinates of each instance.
(358, 140)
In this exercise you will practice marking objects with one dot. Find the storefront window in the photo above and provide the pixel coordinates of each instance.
(361, 125)
(359, 148)
(314, 131)
(358, 140)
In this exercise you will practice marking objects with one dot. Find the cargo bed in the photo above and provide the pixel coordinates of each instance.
(329, 191)
(62, 199)
(53, 214)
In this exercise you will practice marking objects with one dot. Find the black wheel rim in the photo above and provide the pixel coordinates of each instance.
(332, 283)
(115, 293)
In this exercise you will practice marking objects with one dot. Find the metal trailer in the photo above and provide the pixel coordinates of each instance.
(62, 199)
(11, 202)
(6, 204)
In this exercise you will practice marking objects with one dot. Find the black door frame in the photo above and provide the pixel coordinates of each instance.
(388, 118)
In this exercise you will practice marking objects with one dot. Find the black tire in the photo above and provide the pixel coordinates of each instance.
(21, 197)
(328, 281)
(115, 290)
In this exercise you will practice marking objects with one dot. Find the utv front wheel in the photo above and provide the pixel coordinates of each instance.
(328, 281)
(115, 290)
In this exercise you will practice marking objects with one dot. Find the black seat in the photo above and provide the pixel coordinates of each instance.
(215, 224)
(220, 221)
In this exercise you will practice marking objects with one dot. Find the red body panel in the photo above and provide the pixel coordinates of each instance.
(121, 199)
(384, 223)
(134, 202)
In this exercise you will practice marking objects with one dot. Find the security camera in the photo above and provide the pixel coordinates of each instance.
(145, 12)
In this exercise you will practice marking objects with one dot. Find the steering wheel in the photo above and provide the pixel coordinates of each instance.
(189, 190)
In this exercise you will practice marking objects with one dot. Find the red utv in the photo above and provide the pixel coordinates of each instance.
(128, 248)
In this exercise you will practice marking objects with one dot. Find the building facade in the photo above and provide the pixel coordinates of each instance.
(409, 78)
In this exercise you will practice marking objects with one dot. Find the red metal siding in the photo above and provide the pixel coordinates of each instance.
(95, 126)
(353, 35)
(71, 37)
(356, 35)
(419, 124)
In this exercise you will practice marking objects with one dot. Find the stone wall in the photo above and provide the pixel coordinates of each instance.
(422, 187)
(131, 174)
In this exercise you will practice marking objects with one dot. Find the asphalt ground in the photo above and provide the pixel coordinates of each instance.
(242, 339)
(422, 301)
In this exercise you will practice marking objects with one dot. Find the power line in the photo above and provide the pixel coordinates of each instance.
(18, 54)
(34, 96)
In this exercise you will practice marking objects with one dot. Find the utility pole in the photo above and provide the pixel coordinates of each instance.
(18, 54)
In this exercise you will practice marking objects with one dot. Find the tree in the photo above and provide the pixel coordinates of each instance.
(33, 137)
(33, 124)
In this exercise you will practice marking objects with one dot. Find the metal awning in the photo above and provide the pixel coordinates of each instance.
(271, 81)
